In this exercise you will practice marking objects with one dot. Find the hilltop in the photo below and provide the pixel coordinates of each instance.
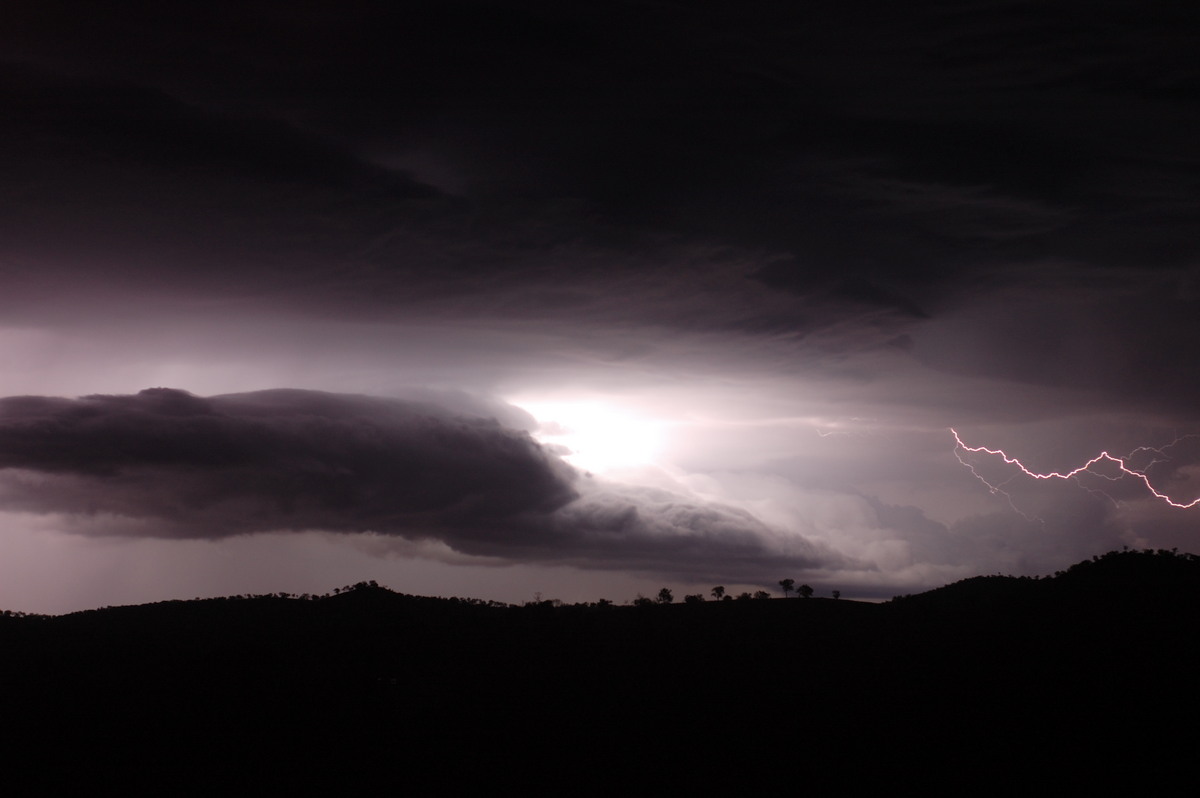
(1039, 675)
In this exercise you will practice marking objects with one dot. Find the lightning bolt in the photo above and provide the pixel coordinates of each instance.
(1121, 463)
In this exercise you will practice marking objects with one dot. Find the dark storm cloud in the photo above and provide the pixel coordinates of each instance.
(857, 159)
(166, 463)
(283, 459)
(873, 220)
(625, 526)
(136, 126)
(1116, 333)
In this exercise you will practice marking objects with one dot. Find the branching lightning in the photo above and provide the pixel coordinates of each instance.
(1122, 465)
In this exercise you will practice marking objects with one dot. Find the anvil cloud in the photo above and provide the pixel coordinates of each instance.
(344, 245)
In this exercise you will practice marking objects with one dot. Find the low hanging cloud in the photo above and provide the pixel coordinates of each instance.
(166, 463)
(271, 460)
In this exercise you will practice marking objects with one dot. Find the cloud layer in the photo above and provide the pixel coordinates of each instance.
(166, 463)
(802, 241)
(284, 459)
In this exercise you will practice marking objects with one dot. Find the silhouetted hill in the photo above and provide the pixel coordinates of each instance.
(1118, 578)
(1081, 675)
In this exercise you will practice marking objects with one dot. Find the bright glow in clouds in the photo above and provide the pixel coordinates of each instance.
(595, 436)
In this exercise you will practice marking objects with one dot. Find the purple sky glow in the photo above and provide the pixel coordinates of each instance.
(504, 299)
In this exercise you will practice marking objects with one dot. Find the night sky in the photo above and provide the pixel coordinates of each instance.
(581, 300)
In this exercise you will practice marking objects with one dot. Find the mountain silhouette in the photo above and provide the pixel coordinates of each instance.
(1082, 676)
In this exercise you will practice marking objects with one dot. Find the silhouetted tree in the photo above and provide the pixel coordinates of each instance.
(837, 594)
(787, 585)
(762, 594)
(665, 597)
(694, 598)
(642, 601)
(805, 591)
(718, 592)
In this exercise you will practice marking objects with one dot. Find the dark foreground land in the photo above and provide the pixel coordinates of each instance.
(1086, 678)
